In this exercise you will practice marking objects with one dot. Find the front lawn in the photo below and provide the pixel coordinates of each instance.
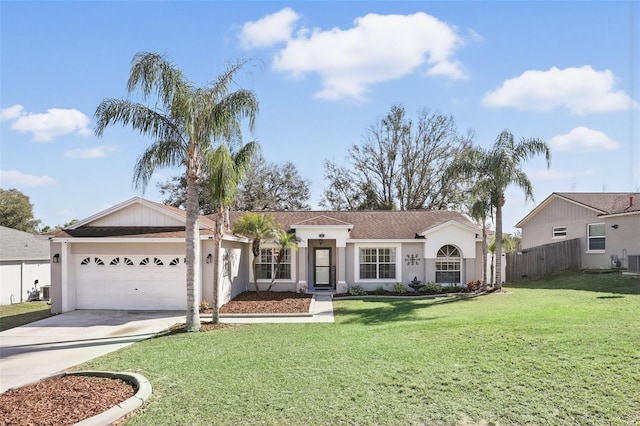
(22, 313)
(561, 351)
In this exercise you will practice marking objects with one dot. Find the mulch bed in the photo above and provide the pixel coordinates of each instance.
(62, 401)
(268, 302)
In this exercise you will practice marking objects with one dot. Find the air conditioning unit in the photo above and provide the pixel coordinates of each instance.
(634, 263)
(45, 292)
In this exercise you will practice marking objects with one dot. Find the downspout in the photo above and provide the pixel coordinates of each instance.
(21, 281)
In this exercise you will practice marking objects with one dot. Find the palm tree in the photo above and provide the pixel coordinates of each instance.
(227, 169)
(500, 167)
(184, 121)
(285, 241)
(480, 210)
(258, 227)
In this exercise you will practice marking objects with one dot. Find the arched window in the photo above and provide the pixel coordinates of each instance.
(448, 265)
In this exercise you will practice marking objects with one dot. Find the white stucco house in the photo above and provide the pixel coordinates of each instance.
(24, 259)
(132, 255)
(607, 224)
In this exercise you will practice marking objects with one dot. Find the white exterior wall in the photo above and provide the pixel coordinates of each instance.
(138, 215)
(17, 279)
(234, 276)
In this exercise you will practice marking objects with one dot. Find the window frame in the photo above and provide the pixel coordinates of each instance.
(590, 238)
(394, 259)
(450, 261)
(558, 232)
(288, 260)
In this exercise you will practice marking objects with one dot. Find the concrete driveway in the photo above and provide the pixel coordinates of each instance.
(42, 348)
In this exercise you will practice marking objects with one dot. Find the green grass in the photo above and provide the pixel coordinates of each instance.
(22, 313)
(559, 351)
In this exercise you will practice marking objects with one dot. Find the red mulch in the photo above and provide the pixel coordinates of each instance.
(268, 302)
(62, 401)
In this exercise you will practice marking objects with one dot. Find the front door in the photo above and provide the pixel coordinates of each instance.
(322, 267)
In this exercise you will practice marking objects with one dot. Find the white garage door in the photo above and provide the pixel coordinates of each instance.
(131, 282)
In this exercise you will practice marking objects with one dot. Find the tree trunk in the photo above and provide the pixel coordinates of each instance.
(192, 242)
(484, 254)
(255, 275)
(215, 311)
(498, 249)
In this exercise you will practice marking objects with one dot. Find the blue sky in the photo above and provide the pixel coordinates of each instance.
(565, 72)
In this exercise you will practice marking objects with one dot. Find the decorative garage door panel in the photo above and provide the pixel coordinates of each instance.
(131, 282)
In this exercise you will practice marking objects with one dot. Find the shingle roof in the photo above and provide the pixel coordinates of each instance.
(18, 245)
(606, 202)
(369, 224)
(126, 232)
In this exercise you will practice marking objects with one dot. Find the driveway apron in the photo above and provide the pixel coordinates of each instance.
(35, 351)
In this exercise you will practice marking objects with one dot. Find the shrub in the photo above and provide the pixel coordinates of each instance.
(452, 288)
(399, 288)
(356, 290)
(432, 288)
(204, 305)
(379, 290)
(474, 285)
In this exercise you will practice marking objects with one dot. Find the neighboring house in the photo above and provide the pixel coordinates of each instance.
(23, 260)
(607, 224)
(131, 256)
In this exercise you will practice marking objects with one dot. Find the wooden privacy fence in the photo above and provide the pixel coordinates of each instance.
(541, 260)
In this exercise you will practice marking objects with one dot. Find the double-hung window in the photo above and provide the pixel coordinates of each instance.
(596, 237)
(267, 265)
(377, 263)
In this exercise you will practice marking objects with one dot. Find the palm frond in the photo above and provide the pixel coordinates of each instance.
(158, 155)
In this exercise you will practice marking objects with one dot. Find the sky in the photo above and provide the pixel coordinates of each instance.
(324, 72)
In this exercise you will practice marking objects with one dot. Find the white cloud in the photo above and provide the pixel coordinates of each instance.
(270, 30)
(96, 152)
(14, 177)
(580, 90)
(11, 112)
(45, 127)
(375, 49)
(583, 139)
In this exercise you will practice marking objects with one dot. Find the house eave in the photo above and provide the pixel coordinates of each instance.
(612, 215)
(547, 201)
(117, 240)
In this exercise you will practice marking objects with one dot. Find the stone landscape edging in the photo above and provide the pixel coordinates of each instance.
(276, 315)
(115, 413)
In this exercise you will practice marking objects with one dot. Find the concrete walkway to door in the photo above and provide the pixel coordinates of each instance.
(40, 349)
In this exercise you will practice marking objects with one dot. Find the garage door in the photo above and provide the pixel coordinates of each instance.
(131, 282)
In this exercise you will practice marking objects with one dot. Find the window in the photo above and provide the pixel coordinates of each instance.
(559, 232)
(175, 262)
(595, 236)
(377, 263)
(448, 265)
(266, 264)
